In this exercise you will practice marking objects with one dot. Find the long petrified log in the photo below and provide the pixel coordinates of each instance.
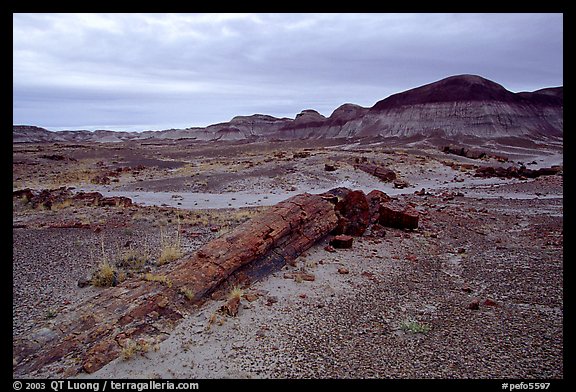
(377, 170)
(93, 334)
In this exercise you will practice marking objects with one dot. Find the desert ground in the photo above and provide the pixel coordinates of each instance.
(476, 291)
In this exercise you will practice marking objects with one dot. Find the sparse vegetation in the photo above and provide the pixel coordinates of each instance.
(236, 292)
(189, 294)
(158, 278)
(171, 248)
(133, 259)
(132, 348)
(414, 327)
(105, 276)
(61, 205)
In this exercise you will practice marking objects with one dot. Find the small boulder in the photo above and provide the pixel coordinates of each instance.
(401, 184)
(231, 307)
(84, 281)
(342, 241)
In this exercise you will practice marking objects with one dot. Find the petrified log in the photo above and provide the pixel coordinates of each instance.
(516, 172)
(383, 173)
(94, 333)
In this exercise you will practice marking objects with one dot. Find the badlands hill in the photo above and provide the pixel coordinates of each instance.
(457, 106)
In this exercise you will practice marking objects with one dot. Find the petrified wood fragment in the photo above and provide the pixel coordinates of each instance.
(398, 215)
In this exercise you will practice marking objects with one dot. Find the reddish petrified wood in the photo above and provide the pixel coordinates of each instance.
(383, 173)
(398, 215)
(354, 214)
(342, 241)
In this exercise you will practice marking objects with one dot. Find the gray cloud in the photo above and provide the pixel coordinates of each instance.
(154, 71)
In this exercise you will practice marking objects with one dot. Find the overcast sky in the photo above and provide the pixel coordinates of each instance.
(158, 71)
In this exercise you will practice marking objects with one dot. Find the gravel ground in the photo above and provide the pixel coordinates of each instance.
(481, 278)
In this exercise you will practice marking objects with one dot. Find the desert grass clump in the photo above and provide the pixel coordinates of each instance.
(62, 204)
(189, 294)
(149, 277)
(132, 348)
(414, 327)
(133, 259)
(50, 313)
(236, 292)
(170, 248)
(105, 276)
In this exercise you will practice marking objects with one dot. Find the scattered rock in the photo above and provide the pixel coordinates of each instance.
(57, 157)
(377, 230)
(464, 152)
(343, 271)
(100, 180)
(115, 201)
(23, 194)
(302, 154)
(489, 302)
(88, 198)
(231, 307)
(307, 276)
(401, 184)
(329, 248)
(250, 297)
(329, 167)
(474, 305)
(84, 281)
(300, 276)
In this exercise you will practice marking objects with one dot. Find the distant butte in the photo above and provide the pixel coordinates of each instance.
(451, 108)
